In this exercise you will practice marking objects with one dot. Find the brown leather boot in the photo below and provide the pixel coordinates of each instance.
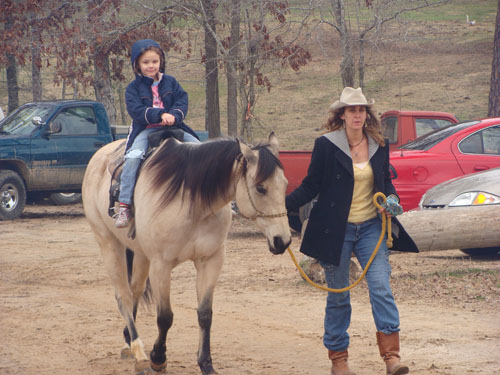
(389, 351)
(339, 363)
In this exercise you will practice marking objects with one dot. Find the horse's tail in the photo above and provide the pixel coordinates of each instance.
(147, 296)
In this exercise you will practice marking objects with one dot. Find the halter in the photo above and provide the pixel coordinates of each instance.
(239, 173)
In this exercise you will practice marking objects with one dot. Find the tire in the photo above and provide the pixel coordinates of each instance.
(61, 199)
(12, 195)
(482, 251)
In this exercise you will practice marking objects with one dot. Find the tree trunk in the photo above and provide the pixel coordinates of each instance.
(36, 66)
(102, 83)
(211, 72)
(444, 229)
(361, 64)
(12, 86)
(231, 74)
(494, 100)
(121, 98)
(347, 63)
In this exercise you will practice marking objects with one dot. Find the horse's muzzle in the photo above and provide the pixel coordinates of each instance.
(278, 246)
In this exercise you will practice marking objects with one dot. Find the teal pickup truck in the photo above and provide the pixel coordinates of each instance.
(45, 147)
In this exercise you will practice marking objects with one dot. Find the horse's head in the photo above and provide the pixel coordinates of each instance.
(260, 192)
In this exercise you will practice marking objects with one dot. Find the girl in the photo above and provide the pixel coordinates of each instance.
(153, 99)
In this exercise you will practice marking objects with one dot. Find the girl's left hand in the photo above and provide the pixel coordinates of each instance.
(167, 119)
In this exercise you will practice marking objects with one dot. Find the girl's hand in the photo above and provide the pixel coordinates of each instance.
(167, 119)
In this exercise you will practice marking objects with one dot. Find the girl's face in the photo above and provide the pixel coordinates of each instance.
(354, 117)
(149, 64)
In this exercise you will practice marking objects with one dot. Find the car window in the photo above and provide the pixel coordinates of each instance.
(486, 141)
(77, 121)
(427, 125)
(390, 128)
(429, 140)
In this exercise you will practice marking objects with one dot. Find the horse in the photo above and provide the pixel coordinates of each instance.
(183, 212)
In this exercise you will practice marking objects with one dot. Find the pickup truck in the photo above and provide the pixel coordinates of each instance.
(45, 147)
(399, 127)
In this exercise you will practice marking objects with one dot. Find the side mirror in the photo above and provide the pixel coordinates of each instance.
(37, 120)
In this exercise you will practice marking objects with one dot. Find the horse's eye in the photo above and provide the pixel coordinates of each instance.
(261, 189)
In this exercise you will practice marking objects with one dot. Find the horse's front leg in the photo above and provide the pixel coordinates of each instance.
(116, 264)
(160, 276)
(138, 270)
(208, 270)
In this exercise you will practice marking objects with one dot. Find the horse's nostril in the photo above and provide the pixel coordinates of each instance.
(279, 245)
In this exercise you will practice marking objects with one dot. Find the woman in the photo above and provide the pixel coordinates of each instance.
(349, 163)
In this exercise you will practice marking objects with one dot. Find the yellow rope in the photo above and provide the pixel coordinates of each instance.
(375, 251)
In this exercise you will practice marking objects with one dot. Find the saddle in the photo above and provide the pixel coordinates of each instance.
(117, 159)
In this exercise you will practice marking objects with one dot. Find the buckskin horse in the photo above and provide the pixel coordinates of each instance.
(183, 212)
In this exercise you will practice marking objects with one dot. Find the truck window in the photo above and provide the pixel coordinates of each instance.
(486, 141)
(77, 121)
(427, 125)
(390, 128)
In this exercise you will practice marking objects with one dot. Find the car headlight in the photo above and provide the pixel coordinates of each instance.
(474, 198)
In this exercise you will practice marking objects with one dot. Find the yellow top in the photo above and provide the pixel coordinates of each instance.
(362, 207)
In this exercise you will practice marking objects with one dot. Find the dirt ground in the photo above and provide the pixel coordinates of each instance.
(58, 314)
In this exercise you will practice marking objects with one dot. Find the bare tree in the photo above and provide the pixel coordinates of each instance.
(354, 31)
(494, 99)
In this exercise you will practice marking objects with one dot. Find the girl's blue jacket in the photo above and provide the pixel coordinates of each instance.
(139, 98)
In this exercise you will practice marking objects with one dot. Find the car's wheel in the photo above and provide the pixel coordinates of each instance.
(62, 199)
(12, 195)
(482, 251)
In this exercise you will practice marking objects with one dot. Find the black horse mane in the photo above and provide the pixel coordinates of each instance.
(203, 171)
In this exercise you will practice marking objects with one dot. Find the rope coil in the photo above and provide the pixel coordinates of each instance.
(385, 225)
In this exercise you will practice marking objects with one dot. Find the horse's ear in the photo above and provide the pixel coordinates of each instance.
(274, 143)
(247, 152)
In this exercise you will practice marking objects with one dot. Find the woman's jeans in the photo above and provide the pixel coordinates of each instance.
(360, 239)
(133, 160)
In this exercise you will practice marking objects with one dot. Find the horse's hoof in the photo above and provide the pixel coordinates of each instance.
(126, 353)
(143, 368)
(159, 367)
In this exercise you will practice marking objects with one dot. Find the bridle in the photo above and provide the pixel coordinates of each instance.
(259, 213)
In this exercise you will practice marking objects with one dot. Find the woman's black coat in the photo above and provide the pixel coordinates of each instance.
(331, 177)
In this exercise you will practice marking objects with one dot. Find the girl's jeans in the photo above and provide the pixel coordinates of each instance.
(133, 159)
(360, 239)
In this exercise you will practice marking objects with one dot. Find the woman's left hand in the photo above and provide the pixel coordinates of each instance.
(391, 206)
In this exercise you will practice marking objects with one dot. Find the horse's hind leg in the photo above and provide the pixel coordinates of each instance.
(208, 271)
(115, 262)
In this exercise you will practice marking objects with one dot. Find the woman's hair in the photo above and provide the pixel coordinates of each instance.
(137, 69)
(372, 125)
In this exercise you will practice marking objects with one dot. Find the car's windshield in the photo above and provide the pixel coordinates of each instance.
(429, 140)
(20, 121)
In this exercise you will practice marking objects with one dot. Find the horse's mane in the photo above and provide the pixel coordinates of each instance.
(202, 171)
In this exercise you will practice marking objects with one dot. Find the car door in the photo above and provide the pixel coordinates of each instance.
(77, 141)
(479, 151)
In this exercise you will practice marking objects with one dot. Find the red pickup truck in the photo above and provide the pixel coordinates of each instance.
(399, 127)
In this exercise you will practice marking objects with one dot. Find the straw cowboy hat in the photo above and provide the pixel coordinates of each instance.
(350, 97)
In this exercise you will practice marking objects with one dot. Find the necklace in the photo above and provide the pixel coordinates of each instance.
(351, 147)
(357, 144)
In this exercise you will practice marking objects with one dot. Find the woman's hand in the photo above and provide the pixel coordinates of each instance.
(167, 119)
(391, 206)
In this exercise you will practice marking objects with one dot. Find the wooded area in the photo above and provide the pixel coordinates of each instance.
(87, 43)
